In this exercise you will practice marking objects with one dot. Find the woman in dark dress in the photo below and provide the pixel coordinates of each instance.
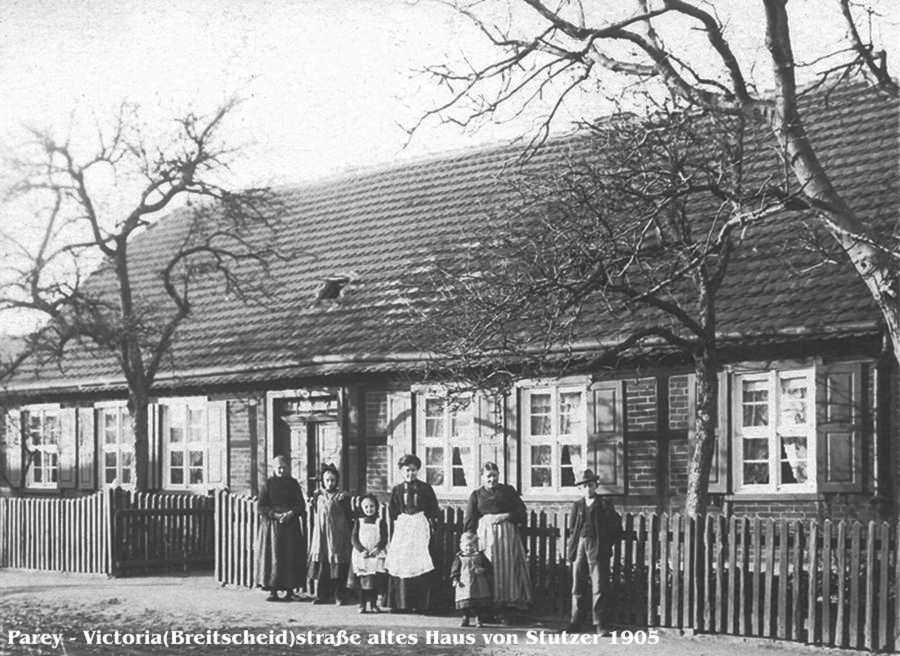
(496, 512)
(413, 507)
(280, 544)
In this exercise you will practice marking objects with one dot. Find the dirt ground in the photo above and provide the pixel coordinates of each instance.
(82, 609)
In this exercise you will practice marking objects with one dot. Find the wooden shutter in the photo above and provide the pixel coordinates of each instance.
(68, 441)
(12, 447)
(606, 437)
(217, 440)
(399, 438)
(86, 449)
(839, 414)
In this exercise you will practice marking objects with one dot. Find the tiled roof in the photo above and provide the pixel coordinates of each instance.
(375, 225)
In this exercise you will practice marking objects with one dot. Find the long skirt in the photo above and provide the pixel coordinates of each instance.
(280, 555)
(410, 564)
(503, 547)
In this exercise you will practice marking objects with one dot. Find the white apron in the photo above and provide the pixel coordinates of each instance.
(408, 552)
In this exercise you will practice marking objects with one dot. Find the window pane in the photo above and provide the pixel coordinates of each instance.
(195, 425)
(540, 410)
(434, 456)
(126, 467)
(461, 421)
(110, 458)
(541, 475)
(125, 429)
(177, 476)
(34, 428)
(110, 476)
(755, 403)
(434, 418)
(794, 403)
(176, 435)
(196, 458)
(176, 459)
(570, 463)
(52, 467)
(376, 414)
(569, 412)
(756, 449)
(51, 429)
(756, 473)
(110, 434)
(462, 462)
(794, 460)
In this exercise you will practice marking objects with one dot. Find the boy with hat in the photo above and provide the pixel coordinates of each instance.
(594, 527)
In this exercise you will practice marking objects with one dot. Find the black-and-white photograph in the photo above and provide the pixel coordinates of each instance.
(503, 327)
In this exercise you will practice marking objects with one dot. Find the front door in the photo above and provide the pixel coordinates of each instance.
(323, 446)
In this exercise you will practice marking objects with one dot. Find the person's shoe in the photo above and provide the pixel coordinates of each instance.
(602, 631)
(273, 596)
(465, 622)
(478, 622)
(375, 608)
(362, 609)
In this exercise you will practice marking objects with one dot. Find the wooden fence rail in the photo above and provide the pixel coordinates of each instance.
(113, 531)
(831, 583)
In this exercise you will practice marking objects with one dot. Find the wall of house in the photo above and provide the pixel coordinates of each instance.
(380, 424)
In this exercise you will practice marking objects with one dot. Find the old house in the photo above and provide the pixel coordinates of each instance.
(807, 425)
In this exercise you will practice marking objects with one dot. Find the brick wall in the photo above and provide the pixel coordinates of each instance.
(678, 402)
(377, 463)
(679, 453)
(641, 407)
(640, 458)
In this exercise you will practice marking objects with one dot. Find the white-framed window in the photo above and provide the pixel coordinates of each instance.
(116, 440)
(554, 438)
(774, 421)
(448, 443)
(43, 432)
(194, 443)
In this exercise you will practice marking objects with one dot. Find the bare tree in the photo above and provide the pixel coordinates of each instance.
(633, 226)
(554, 50)
(77, 272)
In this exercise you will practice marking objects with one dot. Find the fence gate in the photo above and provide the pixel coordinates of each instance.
(158, 532)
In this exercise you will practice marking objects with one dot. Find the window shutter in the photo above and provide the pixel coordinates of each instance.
(399, 437)
(839, 428)
(217, 437)
(86, 449)
(606, 437)
(68, 440)
(12, 447)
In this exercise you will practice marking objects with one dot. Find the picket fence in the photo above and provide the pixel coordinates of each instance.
(823, 583)
(113, 531)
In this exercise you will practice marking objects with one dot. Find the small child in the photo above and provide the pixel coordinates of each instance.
(471, 577)
(368, 574)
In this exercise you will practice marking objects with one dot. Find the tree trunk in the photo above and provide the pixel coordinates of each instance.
(138, 408)
(705, 423)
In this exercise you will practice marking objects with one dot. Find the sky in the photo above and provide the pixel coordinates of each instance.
(327, 85)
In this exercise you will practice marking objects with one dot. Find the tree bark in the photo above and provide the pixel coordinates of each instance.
(705, 422)
(138, 408)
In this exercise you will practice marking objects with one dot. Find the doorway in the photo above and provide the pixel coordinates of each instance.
(307, 439)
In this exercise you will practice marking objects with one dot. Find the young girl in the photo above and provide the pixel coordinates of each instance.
(367, 563)
(471, 577)
(329, 549)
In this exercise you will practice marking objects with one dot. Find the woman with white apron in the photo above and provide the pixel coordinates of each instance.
(413, 507)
